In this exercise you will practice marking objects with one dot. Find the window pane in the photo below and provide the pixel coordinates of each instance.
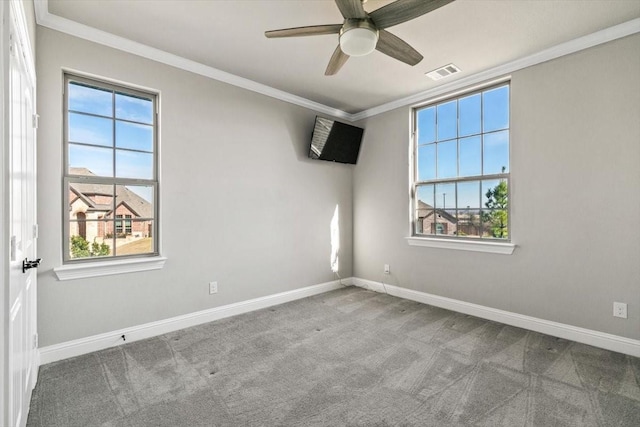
(496, 222)
(445, 196)
(424, 209)
(447, 159)
(426, 162)
(85, 129)
(427, 125)
(469, 223)
(495, 109)
(134, 108)
(447, 120)
(495, 194)
(470, 117)
(131, 164)
(449, 217)
(89, 99)
(131, 207)
(424, 195)
(470, 156)
(138, 238)
(90, 225)
(135, 201)
(94, 243)
(94, 201)
(88, 160)
(496, 153)
(469, 195)
(134, 136)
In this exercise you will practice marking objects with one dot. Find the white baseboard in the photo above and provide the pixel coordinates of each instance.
(561, 330)
(93, 343)
(111, 339)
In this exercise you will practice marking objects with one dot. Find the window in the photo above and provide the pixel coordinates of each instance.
(123, 229)
(111, 185)
(461, 182)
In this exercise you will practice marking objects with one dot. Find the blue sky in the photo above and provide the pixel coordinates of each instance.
(96, 136)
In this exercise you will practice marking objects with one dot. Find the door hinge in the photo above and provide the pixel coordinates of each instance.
(35, 340)
(35, 231)
(35, 121)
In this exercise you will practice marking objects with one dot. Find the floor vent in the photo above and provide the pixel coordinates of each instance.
(443, 72)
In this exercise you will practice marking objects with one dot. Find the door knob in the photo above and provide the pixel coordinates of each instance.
(26, 264)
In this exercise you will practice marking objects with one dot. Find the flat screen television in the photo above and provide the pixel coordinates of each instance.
(335, 141)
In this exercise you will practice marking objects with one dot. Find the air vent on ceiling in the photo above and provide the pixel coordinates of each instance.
(443, 72)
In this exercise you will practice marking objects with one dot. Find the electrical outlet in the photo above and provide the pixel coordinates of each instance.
(386, 269)
(620, 310)
(213, 288)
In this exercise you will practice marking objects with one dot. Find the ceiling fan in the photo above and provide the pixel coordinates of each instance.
(362, 32)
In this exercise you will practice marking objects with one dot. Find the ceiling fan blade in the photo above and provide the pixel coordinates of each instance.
(351, 8)
(336, 62)
(397, 48)
(314, 30)
(403, 10)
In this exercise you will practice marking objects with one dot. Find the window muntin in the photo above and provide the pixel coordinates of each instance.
(110, 178)
(461, 152)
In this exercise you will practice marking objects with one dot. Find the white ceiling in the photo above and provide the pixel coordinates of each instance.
(228, 35)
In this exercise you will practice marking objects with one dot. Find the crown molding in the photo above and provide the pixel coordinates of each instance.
(54, 22)
(609, 34)
(67, 26)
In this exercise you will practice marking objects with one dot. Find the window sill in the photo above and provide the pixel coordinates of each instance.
(106, 268)
(463, 245)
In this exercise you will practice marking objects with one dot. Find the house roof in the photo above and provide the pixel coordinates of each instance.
(137, 204)
(425, 210)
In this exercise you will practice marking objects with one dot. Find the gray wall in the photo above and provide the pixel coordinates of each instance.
(575, 169)
(240, 201)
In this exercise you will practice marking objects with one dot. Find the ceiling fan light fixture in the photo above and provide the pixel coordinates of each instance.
(358, 37)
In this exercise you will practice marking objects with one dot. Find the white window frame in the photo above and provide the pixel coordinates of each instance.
(477, 244)
(74, 268)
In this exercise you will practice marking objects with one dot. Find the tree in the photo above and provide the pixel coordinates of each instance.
(99, 249)
(498, 216)
(80, 248)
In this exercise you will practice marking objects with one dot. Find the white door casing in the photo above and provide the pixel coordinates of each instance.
(19, 121)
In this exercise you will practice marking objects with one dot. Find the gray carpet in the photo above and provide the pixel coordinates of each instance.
(345, 358)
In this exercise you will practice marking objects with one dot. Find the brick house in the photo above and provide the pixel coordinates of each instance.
(434, 221)
(439, 221)
(92, 213)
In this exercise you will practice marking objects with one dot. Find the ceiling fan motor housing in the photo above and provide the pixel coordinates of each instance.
(358, 37)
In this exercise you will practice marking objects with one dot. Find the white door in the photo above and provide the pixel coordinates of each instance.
(20, 332)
